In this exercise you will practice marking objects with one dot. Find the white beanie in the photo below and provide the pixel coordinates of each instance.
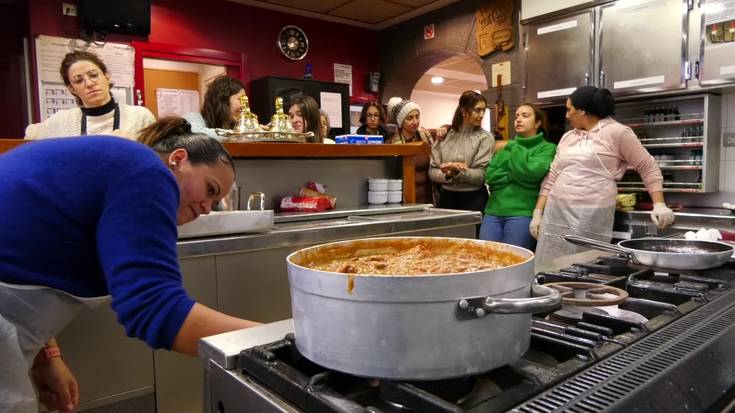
(399, 108)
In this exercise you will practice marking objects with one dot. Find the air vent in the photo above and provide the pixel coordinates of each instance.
(633, 370)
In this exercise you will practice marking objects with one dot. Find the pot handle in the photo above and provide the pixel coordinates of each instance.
(593, 243)
(544, 299)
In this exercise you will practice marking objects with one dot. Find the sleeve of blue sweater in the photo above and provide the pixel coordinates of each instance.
(136, 241)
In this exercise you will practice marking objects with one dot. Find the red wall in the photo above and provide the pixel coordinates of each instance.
(233, 27)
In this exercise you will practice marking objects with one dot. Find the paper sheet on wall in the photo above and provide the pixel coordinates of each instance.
(343, 74)
(176, 102)
(331, 103)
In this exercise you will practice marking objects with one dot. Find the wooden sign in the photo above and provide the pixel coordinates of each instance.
(494, 27)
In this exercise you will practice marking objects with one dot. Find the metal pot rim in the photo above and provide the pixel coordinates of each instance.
(520, 250)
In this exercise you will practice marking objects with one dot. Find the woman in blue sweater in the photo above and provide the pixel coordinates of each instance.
(93, 219)
(514, 177)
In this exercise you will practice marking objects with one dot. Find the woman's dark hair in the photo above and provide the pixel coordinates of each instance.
(376, 105)
(74, 57)
(310, 112)
(594, 101)
(172, 133)
(216, 107)
(467, 103)
(539, 115)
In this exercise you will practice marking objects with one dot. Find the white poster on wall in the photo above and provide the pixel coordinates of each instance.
(176, 102)
(343, 74)
(331, 103)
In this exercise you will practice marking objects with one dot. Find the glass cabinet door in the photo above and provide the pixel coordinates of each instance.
(717, 53)
(643, 45)
(558, 57)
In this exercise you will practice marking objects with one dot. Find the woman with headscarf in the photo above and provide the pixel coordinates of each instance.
(87, 78)
(578, 194)
(459, 161)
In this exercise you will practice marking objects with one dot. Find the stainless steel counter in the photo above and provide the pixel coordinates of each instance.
(300, 228)
(636, 224)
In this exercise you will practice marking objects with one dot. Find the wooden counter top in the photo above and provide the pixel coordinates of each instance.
(310, 150)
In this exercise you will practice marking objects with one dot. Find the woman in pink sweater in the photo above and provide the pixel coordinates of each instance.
(578, 194)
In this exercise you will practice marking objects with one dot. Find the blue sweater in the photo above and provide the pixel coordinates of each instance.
(94, 216)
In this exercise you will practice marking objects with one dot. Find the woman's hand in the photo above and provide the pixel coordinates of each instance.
(662, 215)
(57, 387)
(535, 225)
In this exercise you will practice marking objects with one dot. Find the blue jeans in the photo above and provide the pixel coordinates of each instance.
(510, 230)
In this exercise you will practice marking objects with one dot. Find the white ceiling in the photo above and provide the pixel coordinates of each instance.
(460, 73)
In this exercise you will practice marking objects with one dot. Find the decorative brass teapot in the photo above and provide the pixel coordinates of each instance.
(248, 129)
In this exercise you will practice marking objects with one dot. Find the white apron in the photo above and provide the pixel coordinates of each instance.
(30, 315)
(581, 202)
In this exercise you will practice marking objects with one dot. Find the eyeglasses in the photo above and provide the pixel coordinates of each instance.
(92, 76)
(373, 115)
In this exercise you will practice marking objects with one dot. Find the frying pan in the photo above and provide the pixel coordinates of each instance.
(678, 254)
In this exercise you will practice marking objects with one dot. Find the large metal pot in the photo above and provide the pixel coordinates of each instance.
(415, 327)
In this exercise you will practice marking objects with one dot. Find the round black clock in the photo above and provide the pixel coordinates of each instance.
(293, 42)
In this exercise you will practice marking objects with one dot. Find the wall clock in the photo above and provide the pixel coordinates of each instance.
(293, 43)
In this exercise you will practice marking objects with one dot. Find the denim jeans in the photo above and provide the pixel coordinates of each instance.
(510, 230)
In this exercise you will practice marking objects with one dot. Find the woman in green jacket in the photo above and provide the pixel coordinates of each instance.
(514, 177)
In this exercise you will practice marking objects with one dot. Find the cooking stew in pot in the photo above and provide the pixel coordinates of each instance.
(411, 257)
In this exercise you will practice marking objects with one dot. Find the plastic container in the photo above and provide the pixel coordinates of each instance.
(378, 184)
(395, 197)
(395, 184)
(377, 197)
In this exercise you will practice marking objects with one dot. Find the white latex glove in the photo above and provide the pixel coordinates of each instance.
(535, 224)
(662, 215)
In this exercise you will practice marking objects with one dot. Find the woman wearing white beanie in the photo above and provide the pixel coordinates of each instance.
(407, 115)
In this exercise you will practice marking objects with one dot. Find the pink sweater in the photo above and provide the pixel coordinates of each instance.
(620, 149)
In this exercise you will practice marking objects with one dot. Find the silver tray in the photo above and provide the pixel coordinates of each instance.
(263, 136)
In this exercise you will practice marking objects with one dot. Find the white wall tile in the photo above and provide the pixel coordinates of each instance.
(729, 170)
(729, 120)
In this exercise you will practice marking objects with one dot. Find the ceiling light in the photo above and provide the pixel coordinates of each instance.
(437, 80)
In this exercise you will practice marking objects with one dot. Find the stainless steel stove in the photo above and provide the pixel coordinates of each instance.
(667, 346)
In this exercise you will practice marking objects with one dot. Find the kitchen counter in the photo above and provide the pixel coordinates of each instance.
(636, 224)
(312, 228)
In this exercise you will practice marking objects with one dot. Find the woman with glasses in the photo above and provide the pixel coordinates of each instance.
(372, 118)
(87, 78)
(458, 161)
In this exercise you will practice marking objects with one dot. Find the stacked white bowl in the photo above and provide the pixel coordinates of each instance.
(395, 191)
(378, 191)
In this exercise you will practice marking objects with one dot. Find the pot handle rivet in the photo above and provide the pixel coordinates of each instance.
(463, 304)
(480, 312)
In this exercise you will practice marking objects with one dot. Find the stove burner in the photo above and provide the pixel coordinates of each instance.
(573, 314)
(589, 294)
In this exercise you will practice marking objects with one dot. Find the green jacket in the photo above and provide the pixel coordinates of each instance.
(515, 173)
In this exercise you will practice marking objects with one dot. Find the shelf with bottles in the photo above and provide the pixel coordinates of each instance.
(682, 134)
